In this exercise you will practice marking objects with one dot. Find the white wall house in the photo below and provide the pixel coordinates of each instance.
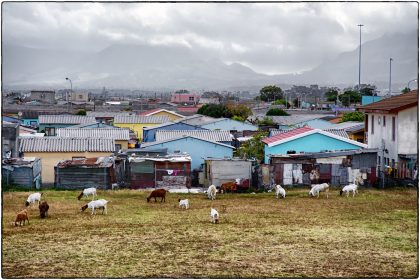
(391, 125)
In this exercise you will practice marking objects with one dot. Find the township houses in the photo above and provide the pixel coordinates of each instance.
(137, 123)
(306, 139)
(52, 150)
(31, 118)
(319, 121)
(184, 97)
(106, 117)
(149, 133)
(50, 123)
(229, 124)
(173, 116)
(391, 125)
(197, 148)
(220, 136)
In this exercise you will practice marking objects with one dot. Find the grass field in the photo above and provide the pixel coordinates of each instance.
(371, 235)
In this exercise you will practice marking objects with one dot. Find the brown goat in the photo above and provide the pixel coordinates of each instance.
(157, 193)
(22, 216)
(228, 187)
(43, 209)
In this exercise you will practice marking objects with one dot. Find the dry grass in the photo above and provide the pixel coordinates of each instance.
(371, 235)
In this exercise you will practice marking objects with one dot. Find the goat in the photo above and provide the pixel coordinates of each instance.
(280, 191)
(351, 188)
(211, 192)
(87, 192)
(316, 189)
(214, 215)
(22, 216)
(96, 204)
(32, 198)
(43, 209)
(229, 186)
(183, 203)
(157, 193)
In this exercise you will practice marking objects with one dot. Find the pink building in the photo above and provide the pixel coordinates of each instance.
(184, 96)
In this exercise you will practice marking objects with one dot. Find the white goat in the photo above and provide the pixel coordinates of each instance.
(32, 198)
(316, 189)
(183, 203)
(280, 191)
(87, 192)
(211, 192)
(96, 204)
(214, 215)
(351, 188)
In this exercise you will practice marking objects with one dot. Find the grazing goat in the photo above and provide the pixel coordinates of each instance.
(316, 189)
(349, 188)
(32, 198)
(183, 203)
(211, 192)
(229, 186)
(214, 215)
(22, 216)
(43, 209)
(157, 193)
(280, 191)
(87, 192)
(96, 204)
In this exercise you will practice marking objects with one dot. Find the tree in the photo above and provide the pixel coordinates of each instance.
(369, 90)
(331, 94)
(271, 93)
(253, 148)
(353, 117)
(276, 112)
(405, 90)
(215, 111)
(241, 111)
(266, 121)
(81, 112)
(350, 96)
(279, 102)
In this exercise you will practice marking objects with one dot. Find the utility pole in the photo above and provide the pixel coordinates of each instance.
(360, 51)
(390, 67)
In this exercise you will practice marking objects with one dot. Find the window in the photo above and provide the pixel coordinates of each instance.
(373, 124)
(80, 96)
(393, 163)
(393, 128)
(379, 120)
(50, 131)
(33, 123)
(117, 147)
(191, 98)
(383, 121)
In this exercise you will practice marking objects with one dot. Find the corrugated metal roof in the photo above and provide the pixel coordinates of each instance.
(150, 144)
(393, 104)
(60, 144)
(287, 134)
(339, 132)
(213, 135)
(67, 119)
(197, 120)
(87, 162)
(348, 126)
(91, 125)
(157, 110)
(295, 119)
(106, 114)
(141, 119)
(113, 133)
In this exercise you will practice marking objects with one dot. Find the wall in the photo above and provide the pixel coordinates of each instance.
(29, 122)
(123, 143)
(49, 160)
(311, 143)
(228, 124)
(136, 127)
(220, 171)
(43, 126)
(408, 131)
(357, 136)
(197, 149)
(9, 139)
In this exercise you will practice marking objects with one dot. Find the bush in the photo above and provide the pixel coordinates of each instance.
(276, 112)
(353, 117)
(81, 112)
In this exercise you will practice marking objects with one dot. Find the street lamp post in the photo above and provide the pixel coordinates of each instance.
(71, 90)
(390, 67)
(408, 84)
(360, 51)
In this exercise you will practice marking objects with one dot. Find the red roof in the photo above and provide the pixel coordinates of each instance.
(393, 104)
(149, 112)
(287, 134)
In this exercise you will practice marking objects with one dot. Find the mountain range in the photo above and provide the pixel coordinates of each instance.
(173, 67)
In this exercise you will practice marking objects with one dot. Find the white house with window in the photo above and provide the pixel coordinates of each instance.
(391, 125)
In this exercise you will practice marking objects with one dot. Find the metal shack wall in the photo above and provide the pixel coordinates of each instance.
(221, 171)
(22, 177)
(75, 177)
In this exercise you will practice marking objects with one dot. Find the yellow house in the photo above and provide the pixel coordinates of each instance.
(52, 150)
(163, 112)
(120, 135)
(137, 123)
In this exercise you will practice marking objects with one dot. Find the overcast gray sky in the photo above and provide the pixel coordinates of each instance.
(272, 38)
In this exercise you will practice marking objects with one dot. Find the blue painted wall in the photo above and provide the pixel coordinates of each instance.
(228, 124)
(149, 135)
(30, 122)
(197, 149)
(312, 143)
(370, 99)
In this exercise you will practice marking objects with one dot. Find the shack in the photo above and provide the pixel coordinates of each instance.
(98, 172)
(217, 171)
(337, 168)
(169, 171)
(22, 172)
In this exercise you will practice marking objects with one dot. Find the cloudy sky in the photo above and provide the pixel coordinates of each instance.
(272, 38)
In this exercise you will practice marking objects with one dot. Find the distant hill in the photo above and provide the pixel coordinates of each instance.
(145, 66)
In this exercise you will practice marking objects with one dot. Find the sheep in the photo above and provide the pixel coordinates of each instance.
(214, 215)
(316, 189)
(87, 192)
(32, 198)
(96, 204)
(184, 203)
(211, 192)
(43, 209)
(22, 216)
(280, 191)
(157, 193)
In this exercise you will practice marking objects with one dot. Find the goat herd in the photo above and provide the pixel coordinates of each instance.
(43, 206)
